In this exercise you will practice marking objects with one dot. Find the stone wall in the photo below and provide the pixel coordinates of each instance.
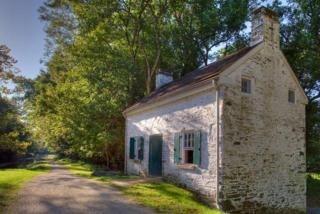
(263, 153)
(196, 112)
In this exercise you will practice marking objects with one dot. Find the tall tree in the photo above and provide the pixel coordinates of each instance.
(105, 57)
(300, 41)
(14, 138)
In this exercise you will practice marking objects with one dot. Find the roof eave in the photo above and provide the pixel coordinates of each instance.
(175, 95)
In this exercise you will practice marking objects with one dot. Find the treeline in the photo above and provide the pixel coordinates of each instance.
(103, 55)
(15, 140)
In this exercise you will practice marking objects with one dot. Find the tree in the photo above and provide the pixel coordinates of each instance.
(300, 42)
(104, 56)
(14, 137)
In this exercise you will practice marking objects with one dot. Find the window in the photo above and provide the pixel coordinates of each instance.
(187, 147)
(291, 96)
(246, 85)
(136, 148)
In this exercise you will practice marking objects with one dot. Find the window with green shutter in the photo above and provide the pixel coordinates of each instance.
(187, 147)
(132, 148)
(177, 146)
(136, 148)
(197, 148)
(140, 147)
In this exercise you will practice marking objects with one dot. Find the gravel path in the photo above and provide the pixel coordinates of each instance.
(61, 192)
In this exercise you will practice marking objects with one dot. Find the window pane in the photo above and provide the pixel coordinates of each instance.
(246, 85)
(188, 156)
(291, 96)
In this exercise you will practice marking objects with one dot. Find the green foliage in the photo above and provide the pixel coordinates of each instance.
(13, 135)
(104, 56)
(167, 198)
(14, 138)
(300, 43)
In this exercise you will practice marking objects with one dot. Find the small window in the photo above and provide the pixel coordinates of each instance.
(246, 85)
(136, 148)
(291, 96)
(188, 147)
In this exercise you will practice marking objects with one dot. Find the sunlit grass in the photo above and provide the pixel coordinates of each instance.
(167, 198)
(12, 179)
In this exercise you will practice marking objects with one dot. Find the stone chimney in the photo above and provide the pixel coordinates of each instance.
(265, 27)
(163, 78)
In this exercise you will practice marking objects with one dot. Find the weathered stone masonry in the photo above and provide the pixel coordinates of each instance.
(263, 157)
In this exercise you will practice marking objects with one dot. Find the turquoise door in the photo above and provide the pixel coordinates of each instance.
(155, 155)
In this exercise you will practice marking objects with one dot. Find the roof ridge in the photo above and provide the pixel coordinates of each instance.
(219, 60)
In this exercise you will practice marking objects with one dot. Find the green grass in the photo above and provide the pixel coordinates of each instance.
(91, 171)
(12, 179)
(167, 198)
(313, 189)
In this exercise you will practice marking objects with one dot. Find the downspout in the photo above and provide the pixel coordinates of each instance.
(215, 83)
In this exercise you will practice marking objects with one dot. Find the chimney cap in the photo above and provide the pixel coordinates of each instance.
(266, 11)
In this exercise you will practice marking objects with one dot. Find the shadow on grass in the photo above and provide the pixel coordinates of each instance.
(93, 171)
(313, 189)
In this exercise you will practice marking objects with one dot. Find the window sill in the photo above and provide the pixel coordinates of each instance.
(187, 166)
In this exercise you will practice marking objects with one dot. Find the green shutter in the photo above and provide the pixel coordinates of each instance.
(141, 148)
(177, 146)
(197, 148)
(132, 148)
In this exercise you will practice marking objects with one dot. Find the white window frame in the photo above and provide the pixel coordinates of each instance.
(183, 148)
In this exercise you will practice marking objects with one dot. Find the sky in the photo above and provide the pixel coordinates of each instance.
(22, 31)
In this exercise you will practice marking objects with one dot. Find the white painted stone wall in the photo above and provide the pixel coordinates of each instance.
(196, 112)
(263, 155)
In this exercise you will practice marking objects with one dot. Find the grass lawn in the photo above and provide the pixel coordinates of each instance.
(12, 179)
(167, 198)
(313, 189)
(161, 196)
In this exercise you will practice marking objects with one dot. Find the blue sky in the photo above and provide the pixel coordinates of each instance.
(22, 31)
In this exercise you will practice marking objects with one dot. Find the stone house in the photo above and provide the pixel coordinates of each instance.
(232, 131)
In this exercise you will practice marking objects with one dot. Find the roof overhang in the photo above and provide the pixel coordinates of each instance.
(172, 97)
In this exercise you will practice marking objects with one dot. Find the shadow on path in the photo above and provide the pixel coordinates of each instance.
(61, 192)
